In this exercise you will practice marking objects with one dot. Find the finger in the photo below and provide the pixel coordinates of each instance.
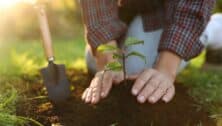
(150, 87)
(157, 94)
(96, 89)
(141, 81)
(106, 84)
(84, 94)
(96, 94)
(88, 96)
(169, 95)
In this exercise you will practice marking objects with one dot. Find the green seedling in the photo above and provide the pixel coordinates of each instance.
(121, 55)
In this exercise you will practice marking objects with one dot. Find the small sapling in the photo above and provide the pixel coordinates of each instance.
(120, 55)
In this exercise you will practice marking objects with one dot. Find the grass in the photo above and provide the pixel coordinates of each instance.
(205, 87)
(27, 57)
(19, 58)
(9, 96)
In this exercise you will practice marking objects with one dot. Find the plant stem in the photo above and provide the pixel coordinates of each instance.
(124, 67)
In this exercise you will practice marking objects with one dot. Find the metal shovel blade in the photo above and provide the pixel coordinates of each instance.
(56, 82)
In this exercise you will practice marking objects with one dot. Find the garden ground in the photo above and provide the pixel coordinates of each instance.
(23, 96)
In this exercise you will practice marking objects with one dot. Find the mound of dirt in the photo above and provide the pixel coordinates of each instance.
(119, 109)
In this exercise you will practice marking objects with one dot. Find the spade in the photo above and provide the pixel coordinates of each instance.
(54, 75)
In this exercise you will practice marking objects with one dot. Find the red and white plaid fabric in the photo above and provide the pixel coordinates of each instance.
(183, 22)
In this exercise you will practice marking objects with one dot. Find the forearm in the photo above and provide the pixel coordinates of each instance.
(103, 58)
(168, 63)
(181, 34)
(101, 22)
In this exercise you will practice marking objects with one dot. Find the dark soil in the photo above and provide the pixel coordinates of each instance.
(213, 56)
(119, 109)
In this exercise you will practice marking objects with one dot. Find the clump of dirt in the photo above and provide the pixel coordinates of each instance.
(119, 109)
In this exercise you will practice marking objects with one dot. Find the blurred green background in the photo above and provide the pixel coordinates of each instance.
(21, 50)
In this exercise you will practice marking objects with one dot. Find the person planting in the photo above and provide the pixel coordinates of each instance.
(170, 30)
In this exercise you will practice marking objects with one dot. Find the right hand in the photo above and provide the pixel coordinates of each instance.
(102, 83)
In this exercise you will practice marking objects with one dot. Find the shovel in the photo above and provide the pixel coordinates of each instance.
(54, 75)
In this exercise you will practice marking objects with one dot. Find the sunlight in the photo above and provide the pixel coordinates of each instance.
(4, 4)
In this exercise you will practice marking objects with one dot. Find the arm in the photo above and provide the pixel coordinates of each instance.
(181, 36)
(101, 22)
(180, 40)
(102, 27)
(168, 63)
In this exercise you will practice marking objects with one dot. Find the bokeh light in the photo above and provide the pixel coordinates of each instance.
(4, 4)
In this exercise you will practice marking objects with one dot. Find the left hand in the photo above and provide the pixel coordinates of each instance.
(158, 83)
(153, 85)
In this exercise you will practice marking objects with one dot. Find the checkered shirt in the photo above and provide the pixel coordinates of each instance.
(183, 21)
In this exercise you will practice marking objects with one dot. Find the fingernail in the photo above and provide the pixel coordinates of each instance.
(141, 99)
(165, 99)
(94, 101)
(152, 99)
(135, 92)
(102, 94)
(87, 100)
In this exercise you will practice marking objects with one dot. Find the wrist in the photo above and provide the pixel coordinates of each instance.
(168, 63)
(103, 58)
(111, 43)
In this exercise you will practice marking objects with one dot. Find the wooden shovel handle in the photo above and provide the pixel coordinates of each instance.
(47, 41)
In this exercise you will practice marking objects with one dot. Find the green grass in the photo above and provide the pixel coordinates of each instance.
(20, 58)
(9, 97)
(205, 86)
(27, 57)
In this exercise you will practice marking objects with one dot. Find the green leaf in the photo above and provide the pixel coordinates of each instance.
(106, 48)
(133, 41)
(137, 54)
(114, 66)
(117, 56)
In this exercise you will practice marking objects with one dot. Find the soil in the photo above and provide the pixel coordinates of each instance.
(119, 109)
(213, 56)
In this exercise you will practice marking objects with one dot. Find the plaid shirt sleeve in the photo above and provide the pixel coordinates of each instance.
(101, 21)
(181, 34)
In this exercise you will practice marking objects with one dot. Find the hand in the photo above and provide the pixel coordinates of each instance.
(153, 85)
(102, 82)
(101, 85)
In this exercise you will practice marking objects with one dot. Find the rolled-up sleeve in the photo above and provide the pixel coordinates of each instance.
(101, 21)
(181, 34)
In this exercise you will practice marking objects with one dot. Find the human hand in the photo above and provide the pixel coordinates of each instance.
(158, 83)
(101, 85)
(153, 85)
